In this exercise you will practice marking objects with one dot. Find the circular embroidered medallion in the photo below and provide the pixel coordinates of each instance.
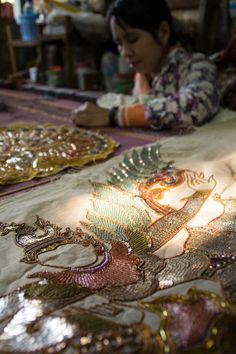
(39, 151)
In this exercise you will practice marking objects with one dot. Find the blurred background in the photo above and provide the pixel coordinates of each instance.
(67, 44)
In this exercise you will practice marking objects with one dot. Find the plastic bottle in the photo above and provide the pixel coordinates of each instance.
(28, 8)
(109, 68)
(28, 27)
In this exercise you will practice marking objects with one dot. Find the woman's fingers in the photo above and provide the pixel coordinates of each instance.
(89, 114)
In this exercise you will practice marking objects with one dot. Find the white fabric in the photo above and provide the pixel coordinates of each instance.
(211, 149)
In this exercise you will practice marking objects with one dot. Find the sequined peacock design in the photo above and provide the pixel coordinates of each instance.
(135, 214)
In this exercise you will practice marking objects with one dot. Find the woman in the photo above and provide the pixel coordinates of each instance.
(181, 87)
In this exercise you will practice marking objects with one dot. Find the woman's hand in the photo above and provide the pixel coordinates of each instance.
(89, 114)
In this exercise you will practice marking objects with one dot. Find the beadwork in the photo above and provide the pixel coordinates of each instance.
(38, 151)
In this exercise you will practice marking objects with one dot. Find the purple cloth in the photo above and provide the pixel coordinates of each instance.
(30, 107)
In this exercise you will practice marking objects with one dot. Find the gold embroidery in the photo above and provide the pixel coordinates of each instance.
(165, 228)
(146, 285)
(183, 268)
(137, 167)
(117, 268)
(52, 291)
(27, 330)
(196, 314)
(42, 329)
(44, 150)
(226, 277)
(217, 240)
(49, 239)
(118, 217)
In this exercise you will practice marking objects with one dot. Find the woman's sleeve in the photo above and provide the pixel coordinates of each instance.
(196, 101)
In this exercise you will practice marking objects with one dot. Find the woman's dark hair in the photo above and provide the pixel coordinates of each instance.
(143, 14)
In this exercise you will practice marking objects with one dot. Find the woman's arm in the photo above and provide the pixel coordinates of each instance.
(196, 101)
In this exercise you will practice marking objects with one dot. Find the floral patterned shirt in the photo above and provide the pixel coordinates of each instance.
(184, 93)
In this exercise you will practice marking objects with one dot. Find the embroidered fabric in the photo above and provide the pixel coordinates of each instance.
(36, 151)
(151, 242)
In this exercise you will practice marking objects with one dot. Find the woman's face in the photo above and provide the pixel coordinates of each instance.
(143, 53)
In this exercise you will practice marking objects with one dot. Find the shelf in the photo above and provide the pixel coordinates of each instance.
(19, 43)
(44, 39)
(52, 38)
(67, 40)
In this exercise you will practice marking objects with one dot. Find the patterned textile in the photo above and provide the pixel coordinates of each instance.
(184, 93)
(34, 150)
(136, 255)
